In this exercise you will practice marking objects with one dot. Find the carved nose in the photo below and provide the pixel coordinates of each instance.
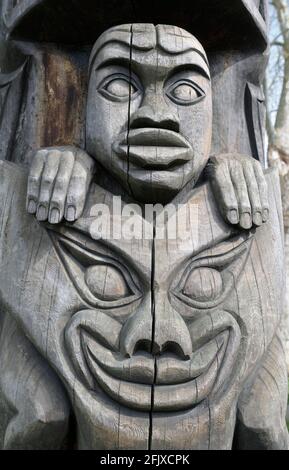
(171, 333)
(165, 331)
(156, 117)
(136, 333)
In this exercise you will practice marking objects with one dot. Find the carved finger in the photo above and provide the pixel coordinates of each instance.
(59, 194)
(79, 183)
(34, 181)
(47, 182)
(76, 193)
(253, 192)
(223, 187)
(263, 190)
(240, 186)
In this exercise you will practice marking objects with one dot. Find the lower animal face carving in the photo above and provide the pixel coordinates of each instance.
(149, 111)
(172, 362)
(146, 349)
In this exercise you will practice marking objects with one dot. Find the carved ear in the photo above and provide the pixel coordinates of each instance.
(261, 419)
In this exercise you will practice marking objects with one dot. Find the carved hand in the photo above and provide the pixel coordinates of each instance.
(58, 182)
(240, 188)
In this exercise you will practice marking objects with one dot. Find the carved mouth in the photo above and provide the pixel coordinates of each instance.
(153, 149)
(143, 382)
(178, 385)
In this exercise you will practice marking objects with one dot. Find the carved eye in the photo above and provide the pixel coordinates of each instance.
(207, 280)
(121, 88)
(118, 88)
(106, 283)
(185, 92)
(102, 281)
(203, 284)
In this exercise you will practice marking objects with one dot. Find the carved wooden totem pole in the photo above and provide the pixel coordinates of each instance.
(148, 115)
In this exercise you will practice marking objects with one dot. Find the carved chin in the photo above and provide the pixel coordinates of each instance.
(144, 382)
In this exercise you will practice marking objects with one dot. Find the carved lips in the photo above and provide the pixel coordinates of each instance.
(143, 381)
(122, 379)
(153, 149)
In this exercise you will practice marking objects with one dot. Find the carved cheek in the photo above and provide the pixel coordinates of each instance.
(106, 283)
(204, 284)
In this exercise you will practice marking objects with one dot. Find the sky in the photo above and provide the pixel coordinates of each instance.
(275, 67)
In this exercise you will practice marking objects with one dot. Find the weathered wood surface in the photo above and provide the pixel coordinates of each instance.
(155, 341)
(196, 392)
(45, 105)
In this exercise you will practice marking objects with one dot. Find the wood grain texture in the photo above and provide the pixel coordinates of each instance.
(157, 341)
(171, 380)
(232, 68)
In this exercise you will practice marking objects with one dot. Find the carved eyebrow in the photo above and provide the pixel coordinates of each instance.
(122, 61)
(199, 66)
(185, 50)
(119, 42)
(122, 42)
(125, 62)
(190, 66)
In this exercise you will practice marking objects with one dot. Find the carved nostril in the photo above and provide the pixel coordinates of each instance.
(143, 345)
(155, 349)
(146, 116)
(144, 122)
(174, 348)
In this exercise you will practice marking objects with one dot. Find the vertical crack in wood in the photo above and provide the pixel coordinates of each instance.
(153, 313)
(153, 328)
(129, 110)
(149, 444)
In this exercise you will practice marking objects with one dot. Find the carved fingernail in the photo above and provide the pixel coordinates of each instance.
(265, 215)
(246, 221)
(41, 213)
(233, 216)
(54, 216)
(258, 218)
(31, 206)
(70, 213)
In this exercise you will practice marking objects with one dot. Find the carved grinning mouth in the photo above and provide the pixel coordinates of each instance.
(143, 382)
(167, 396)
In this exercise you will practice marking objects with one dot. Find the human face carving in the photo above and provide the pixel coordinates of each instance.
(149, 109)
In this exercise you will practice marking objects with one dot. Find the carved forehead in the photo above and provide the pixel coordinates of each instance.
(145, 37)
